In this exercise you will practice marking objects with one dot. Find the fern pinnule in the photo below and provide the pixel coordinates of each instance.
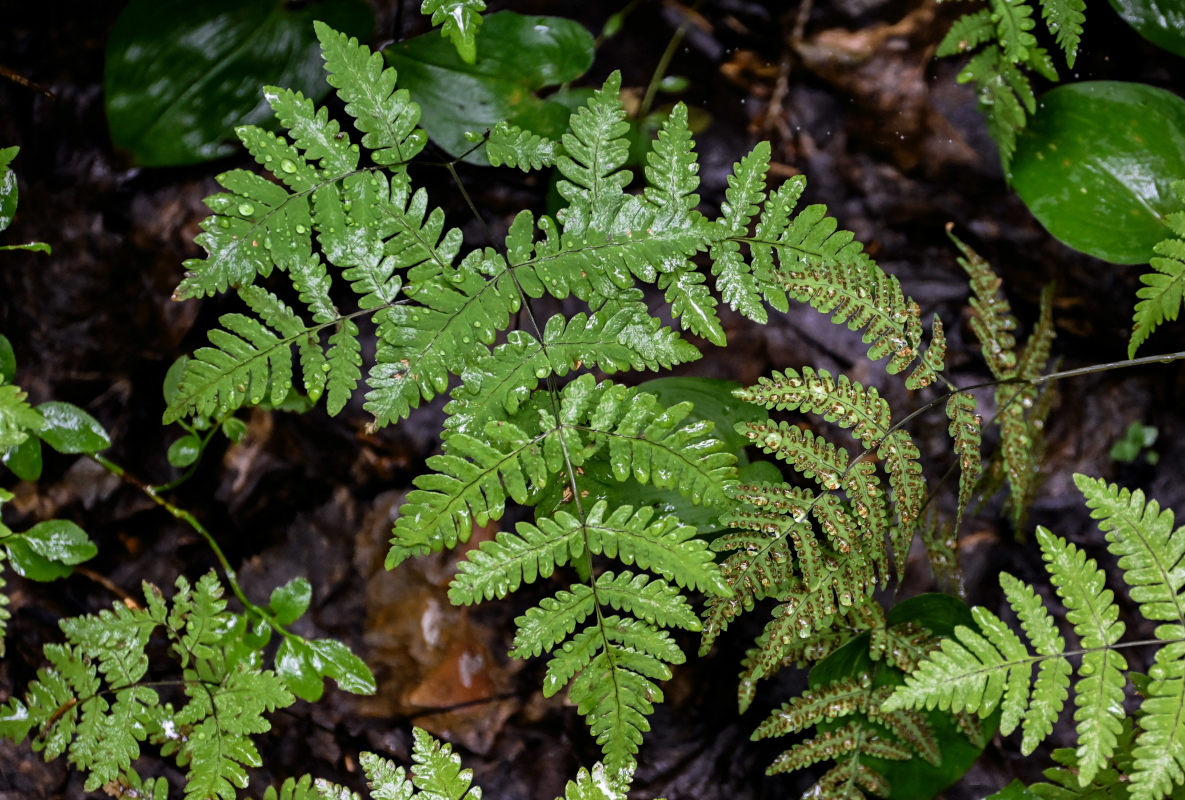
(837, 399)
(991, 316)
(746, 190)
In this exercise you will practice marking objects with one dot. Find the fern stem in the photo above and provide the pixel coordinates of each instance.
(660, 69)
(192, 521)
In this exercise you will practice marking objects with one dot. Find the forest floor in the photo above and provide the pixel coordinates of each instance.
(849, 94)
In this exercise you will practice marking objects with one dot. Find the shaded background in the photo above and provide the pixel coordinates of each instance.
(847, 92)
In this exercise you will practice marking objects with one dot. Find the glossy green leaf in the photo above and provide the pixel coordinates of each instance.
(291, 600)
(178, 82)
(25, 459)
(295, 666)
(60, 540)
(1096, 163)
(185, 451)
(516, 57)
(31, 247)
(234, 429)
(8, 186)
(1161, 22)
(7, 360)
(915, 779)
(69, 429)
(334, 660)
(30, 564)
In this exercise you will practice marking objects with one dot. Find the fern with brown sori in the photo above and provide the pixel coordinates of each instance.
(1018, 412)
(845, 707)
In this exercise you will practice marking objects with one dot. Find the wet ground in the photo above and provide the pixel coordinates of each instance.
(849, 95)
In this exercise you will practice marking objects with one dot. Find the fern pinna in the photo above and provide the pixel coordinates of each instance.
(979, 671)
(443, 322)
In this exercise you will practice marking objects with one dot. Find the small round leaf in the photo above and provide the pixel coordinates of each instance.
(60, 540)
(295, 666)
(291, 600)
(234, 429)
(7, 360)
(69, 429)
(1096, 164)
(25, 459)
(334, 660)
(30, 564)
(185, 451)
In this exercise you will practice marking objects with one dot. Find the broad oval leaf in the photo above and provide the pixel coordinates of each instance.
(334, 660)
(25, 459)
(1161, 22)
(185, 451)
(291, 600)
(69, 429)
(1096, 163)
(294, 665)
(176, 83)
(62, 541)
(517, 56)
(28, 563)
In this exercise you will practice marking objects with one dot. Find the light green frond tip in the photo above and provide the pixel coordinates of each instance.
(459, 21)
(1160, 296)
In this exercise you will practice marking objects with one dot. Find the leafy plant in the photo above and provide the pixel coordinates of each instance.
(9, 194)
(980, 670)
(1002, 32)
(1160, 297)
(459, 22)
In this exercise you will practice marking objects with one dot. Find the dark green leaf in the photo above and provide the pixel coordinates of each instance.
(235, 429)
(516, 56)
(294, 665)
(334, 660)
(60, 540)
(32, 565)
(69, 429)
(1161, 22)
(178, 82)
(7, 361)
(25, 459)
(915, 779)
(291, 600)
(1096, 163)
(714, 401)
(172, 382)
(1013, 791)
(185, 451)
(8, 187)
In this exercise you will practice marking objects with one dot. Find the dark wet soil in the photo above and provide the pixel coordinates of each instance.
(848, 93)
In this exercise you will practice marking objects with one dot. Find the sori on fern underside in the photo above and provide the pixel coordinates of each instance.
(511, 428)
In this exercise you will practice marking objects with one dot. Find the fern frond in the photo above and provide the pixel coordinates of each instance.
(901, 459)
(838, 699)
(1014, 21)
(839, 400)
(991, 316)
(312, 131)
(1160, 296)
(746, 190)
(1064, 19)
(967, 33)
(672, 172)
(459, 21)
(1150, 554)
(964, 430)
(511, 145)
(595, 150)
(386, 116)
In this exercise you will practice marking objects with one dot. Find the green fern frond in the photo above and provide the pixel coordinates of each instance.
(672, 172)
(595, 150)
(460, 21)
(991, 316)
(978, 672)
(313, 132)
(1014, 21)
(1160, 296)
(386, 116)
(512, 146)
(746, 190)
(967, 33)
(839, 699)
(91, 703)
(1064, 19)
